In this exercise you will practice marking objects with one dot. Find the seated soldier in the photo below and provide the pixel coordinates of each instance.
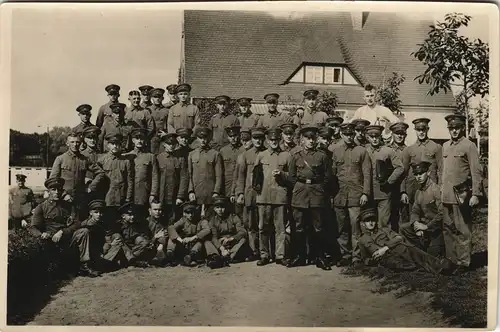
(386, 247)
(55, 222)
(228, 233)
(190, 238)
(136, 243)
(424, 229)
(158, 233)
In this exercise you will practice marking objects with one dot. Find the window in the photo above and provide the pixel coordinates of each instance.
(314, 74)
(323, 74)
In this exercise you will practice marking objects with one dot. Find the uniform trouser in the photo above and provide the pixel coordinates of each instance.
(197, 249)
(78, 240)
(413, 255)
(431, 242)
(111, 252)
(400, 213)
(237, 249)
(289, 225)
(457, 233)
(384, 211)
(271, 220)
(137, 250)
(156, 146)
(348, 231)
(251, 222)
(331, 232)
(308, 224)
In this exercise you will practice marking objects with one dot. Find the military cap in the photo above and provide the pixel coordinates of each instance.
(274, 133)
(97, 204)
(203, 132)
(420, 167)
(112, 89)
(245, 101)
(347, 128)
(171, 88)
(114, 138)
(233, 130)
(258, 132)
(117, 107)
(20, 177)
(374, 129)
(325, 132)
(421, 123)
(360, 124)
(170, 138)
(222, 99)
(128, 208)
(138, 132)
(183, 88)
(145, 89)
(189, 206)
(55, 182)
(367, 214)
(399, 127)
(289, 128)
(84, 109)
(309, 130)
(91, 131)
(455, 120)
(271, 97)
(311, 94)
(335, 120)
(221, 201)
(184, 132)
(158, 92)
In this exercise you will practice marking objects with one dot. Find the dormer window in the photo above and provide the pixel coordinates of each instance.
(323, 74)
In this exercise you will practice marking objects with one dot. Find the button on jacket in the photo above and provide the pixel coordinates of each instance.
(104, 114)
(309, 166)
(120, 171)
(218, 124)
(226, 226)
(185, 228)
(146, 176)
(460, 162)
(274, 192)
(245, 166)
(272, 120)
(229, 154)
(205, 174)
(403, 178)
(248, 120)
(183, 116)
(427, 207)
(351, 166)
(113, 127)
(174, 179)
(51, 216)
(21, 202)
(314, 119)
(143, 118)
(386, 154)
(160, 117)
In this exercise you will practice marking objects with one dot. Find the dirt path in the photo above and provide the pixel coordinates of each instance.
(237, 296)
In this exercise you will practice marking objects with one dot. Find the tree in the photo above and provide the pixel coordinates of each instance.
(454, 59)
(388, 93)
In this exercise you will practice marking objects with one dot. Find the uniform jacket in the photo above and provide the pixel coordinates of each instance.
(398, 149)
(229, 154)
(274, 189)
(174, 177)
(245, 166)
(160, 117)
(146, 176)
(290, 148)
(113, 127)
(130, 231)
(362, 143)
(143, 118)
(248, 120)
(205, 174)
(104, 114)
(218, 123)
(427, 207)
(384, 153)
(120, 172)
(185, 228)
(183, 116)
(229, 225)
(370, 242)
(335, 141)
(81, 127)
(314, 118)
(154, 227)
(21, 202)
(275, 119)
(51, 216)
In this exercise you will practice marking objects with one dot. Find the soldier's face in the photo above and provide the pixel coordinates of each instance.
(114, 148)
(288, 138)
(399, 138)
(273, 143)
(157, 100)
(310, 102)
(455, 132)
(245, 109)
(91, 141)
(323, 142)
(169, 147)
(374, 139)
(116, 116)
(114, 97)
(183, 141)
(85, 117)
(183, 96)
(138, 142)
(96, 215)
(257, 141)
(221, 107)
(189, 215)
(155, 211)
(272, 106)
(172, 97)
(203, 141)
(233, 139)
(300, 112)
(20, 183)
(135, 100)
(348, 138)
(128, 217)
(73, 143)
(219, 210)
(422, 133)
(145, 98)
(247, 144)
(55, 193)
(309, 142)
(335, 128)
(370, 224)
(359, 134)
(422, 177)
(388, 140)
(369, 97)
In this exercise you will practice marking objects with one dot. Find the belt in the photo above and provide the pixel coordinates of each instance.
(309, 181)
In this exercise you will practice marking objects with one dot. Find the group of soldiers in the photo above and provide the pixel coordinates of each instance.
(151, 185)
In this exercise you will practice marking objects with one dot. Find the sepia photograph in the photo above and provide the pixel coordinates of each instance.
(251, 164)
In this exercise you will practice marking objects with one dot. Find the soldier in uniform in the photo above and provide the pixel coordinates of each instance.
(84, 111)
(351, 169)
(360, 137)
(145, 96)
(146, 178)
(246, 118)
(160, 117)
(424, 229)
(171, 96)
(272, 198)
(105, 110)
(334, 123)
(184, 138)
(220, 121)
(461, 170)
(312, 117)
(245, 192)
(310, 173)
(138, 114)
(21, 203)
(246, 139)
(229, 154)
(174, 178)
(183, 114)
(273, 118)
(158, 233)
(228, 233)
(117, 125)
(54, 221)
(206, 171)
(288, 132)
(387, 169)
(91, 152)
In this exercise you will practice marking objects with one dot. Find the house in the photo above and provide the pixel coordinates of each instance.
(240, 53)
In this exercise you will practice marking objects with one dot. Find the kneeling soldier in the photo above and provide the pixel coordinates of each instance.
(158, 233)
(228, 233)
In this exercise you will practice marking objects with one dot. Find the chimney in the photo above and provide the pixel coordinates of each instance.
(358, 20)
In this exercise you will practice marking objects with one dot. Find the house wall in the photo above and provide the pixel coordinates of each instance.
(35, 176)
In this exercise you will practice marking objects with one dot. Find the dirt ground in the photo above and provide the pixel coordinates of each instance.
(241, 295)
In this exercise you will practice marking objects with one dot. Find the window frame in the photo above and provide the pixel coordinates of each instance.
(343, 68)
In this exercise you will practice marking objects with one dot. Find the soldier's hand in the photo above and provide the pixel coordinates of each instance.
(180, 240)
(232, 199)
(68, 198)
(192, 197)
(159, 234)
(420, 233)
(380, 252)
(276, 172)
(24, 223)
(363, 200)
(57, 236)
(160, 247)
(418, 226)
(45, 235)
(241, 199)
(405, 199)
(215, 195)
(151, 199)
(178, 201)
(474, 200)
(89, 190)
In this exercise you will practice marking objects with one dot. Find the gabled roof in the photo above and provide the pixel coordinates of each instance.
(241, 53)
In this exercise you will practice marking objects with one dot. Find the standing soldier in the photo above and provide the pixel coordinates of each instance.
(105, 110)
(229, 154)
(387, 169)
(220, 121)
(140, 115)
(247, 118)
(90, 136)
(335, 123)
(245, 193)
(117, 125)
(84, 111)
(360, 137)
(312, 117)
(461, 172)
(174, 179)
(273, 118)
(272, 199)
(145, 172)
(310, 173)
(160, 117)
(352, 170)
(145, 95)
(205, 171)
(171, 97)
(183, 114)
(21, 203)
(184, 138)
(246, 139)
(288, 144)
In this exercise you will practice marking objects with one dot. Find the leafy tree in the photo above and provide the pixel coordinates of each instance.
(388, 93)
(327, 102)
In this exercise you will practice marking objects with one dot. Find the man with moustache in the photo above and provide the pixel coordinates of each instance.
(160, 117)
(105, 110)
(246, 118)
(183, 114)
(220, 121)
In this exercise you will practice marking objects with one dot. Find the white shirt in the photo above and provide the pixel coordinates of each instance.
(378, 115)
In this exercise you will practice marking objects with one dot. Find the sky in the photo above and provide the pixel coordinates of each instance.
(63, 57)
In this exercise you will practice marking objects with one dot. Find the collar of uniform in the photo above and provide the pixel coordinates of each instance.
(89, 149)
(397, 146)
(237, 146)
(426, 185)
(187, 103)
(424, 142)
(275, 151)
(457, 141)
(112, 156)
(375, 149)
(291, 145)
(309, 151)
(72, 154)
(349, 146)
(137, 152)
(249, 147)
(204, 148)
(273, 114)
(262, 148)
(223, 114)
